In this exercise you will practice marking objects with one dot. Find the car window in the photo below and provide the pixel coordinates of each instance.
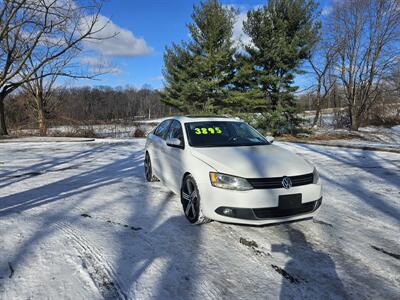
(161, 130)
(223, 134)
(175, 131)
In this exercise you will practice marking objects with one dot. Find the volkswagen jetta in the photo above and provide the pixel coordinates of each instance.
(225, 170)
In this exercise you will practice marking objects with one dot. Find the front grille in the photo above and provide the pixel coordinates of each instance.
(276, 212)
(276, 182)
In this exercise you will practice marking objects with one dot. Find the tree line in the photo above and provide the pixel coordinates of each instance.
(354, 51)
(87, 106)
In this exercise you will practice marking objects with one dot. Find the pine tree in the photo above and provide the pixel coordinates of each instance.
(282, 34)
(199, 73)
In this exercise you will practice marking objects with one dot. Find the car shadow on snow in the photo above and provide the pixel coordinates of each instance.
(309, 273)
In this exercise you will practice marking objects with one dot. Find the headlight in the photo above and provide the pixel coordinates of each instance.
(229, 182)
(315, 176)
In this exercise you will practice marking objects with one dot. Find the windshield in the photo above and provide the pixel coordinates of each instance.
(223, 134)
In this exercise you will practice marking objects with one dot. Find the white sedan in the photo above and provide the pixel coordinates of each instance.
(225, 170)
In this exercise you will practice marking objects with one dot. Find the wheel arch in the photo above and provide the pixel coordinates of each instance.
(183, 178)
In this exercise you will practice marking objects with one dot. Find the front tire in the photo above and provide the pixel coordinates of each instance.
(190, 198)
(148, 169)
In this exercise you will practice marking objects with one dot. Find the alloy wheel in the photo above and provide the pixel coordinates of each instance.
(190, 200)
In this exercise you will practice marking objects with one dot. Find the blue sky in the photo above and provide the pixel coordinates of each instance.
(135, 56)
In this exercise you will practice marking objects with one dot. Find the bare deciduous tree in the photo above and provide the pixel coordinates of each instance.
(321, 62)
(40, 88)
(366, 33)
(37, 32)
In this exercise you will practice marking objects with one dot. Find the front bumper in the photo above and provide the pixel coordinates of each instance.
(268, 212)
(258, 206)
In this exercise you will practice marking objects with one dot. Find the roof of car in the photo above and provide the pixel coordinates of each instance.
(190, 118)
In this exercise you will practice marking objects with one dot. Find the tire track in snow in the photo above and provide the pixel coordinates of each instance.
(99, 269)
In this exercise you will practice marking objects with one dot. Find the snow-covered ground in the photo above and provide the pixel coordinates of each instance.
(78, 221)
(101, 131)
(366, 136)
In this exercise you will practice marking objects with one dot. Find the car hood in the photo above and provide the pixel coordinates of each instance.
(253, 161)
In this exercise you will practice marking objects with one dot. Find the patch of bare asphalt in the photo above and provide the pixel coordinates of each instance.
(11, 270)
(248, 243)
(134, 228)
(32, 174)
(394, 255)
(322, 222)
(254, 246)
(285, 274)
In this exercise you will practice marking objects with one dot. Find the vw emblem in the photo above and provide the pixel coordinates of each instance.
(286, 182)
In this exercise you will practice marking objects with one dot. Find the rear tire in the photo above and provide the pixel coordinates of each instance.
(190, 199)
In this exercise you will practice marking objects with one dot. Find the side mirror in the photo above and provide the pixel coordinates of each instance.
(270, 139)
(174, 142)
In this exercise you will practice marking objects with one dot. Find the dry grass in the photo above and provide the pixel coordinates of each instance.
(139, 133)
(75, 132)
(320, 137)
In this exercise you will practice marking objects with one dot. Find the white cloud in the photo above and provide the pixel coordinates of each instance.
(89, 60)
(99, 65)
(330, 6)
(115, 40)
(157, 78)
(238, 35)
(326, 11)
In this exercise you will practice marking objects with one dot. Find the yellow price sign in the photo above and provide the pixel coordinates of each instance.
(209, 130)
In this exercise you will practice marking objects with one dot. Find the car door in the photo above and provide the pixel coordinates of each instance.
(158, 146)
(173, 157)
